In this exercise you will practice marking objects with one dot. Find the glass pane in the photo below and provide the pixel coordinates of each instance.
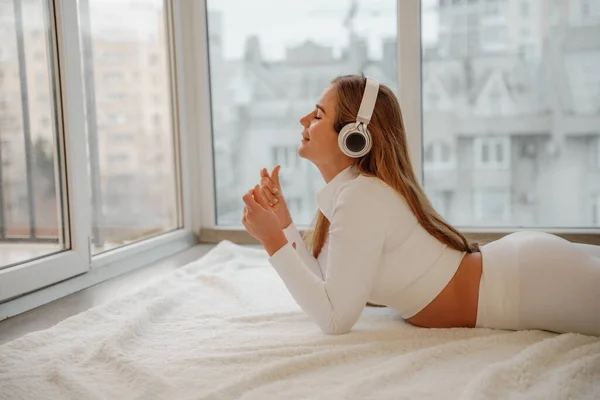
(518, 94)
(31, 219)
(270, 60)
(130, 131)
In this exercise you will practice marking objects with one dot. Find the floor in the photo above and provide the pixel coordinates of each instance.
(50, 314)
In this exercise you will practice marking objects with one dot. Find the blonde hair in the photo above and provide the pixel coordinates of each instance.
(388, 160)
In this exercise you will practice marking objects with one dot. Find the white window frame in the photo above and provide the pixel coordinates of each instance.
(36, 282)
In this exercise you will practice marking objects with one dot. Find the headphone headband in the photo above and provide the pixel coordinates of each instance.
(367, 105)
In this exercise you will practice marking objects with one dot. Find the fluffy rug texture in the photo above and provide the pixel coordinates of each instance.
(225, 327)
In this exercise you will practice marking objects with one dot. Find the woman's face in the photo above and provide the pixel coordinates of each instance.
(319, 139)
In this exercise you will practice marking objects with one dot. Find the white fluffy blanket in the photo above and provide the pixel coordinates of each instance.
(225, 327)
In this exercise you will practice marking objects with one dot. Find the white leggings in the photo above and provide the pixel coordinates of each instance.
(535, 280)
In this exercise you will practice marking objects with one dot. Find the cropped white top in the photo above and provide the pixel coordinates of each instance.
(375, 251)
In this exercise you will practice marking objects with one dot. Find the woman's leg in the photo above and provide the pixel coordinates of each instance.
(559, 284)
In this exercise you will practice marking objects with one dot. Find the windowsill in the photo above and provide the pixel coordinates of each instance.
(480, 235)
(112, 265)
(50, 314)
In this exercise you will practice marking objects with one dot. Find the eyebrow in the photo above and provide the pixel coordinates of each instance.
(320, 108)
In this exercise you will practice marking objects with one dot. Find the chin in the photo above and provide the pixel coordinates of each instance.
(301, 152)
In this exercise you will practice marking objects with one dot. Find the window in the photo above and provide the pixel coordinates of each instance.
(147, 205)
(108, 56)
(116, 119)
(492, 153)
(112, 78)
(121, 137)
(117, 96)
(438, 155)
(31, 203)
(492, 206)
(495, 106)
(64, 140)
(268, 66)
(119, 158)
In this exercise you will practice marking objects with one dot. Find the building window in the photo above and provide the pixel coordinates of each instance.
(113, 77)
(118, 158)
(116, 119)
(438, 155)
(492, 152)
(116, 96)
(492, 206)
(121, 137)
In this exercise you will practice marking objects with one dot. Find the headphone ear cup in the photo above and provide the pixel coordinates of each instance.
(354, 141)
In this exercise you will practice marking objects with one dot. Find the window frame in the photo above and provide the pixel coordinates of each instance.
(409, 77)
(29, 285)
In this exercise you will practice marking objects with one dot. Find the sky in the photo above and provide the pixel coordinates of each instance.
(280, 24)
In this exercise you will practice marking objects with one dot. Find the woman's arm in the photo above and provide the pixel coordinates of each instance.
(293, 236)
(270, 188)
(356, 239)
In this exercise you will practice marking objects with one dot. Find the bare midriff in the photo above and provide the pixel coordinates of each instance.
(456, 305)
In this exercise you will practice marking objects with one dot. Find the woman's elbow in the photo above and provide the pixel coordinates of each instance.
(336, 328)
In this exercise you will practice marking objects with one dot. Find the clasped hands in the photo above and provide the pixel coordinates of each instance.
(266, 213)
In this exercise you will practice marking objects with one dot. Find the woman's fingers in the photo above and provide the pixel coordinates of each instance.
(267, 196)
(269, 187)
(275, 175)
(260, 199)
(251, 204)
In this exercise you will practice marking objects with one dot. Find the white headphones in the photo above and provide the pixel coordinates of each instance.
(355, 139)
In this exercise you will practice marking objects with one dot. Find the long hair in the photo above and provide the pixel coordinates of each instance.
(388, 160)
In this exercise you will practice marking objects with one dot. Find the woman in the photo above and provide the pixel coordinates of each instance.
(377, 239)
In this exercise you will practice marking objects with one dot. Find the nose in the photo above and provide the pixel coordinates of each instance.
(305, 121)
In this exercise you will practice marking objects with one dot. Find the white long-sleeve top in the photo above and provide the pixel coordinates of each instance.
(375, 251)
